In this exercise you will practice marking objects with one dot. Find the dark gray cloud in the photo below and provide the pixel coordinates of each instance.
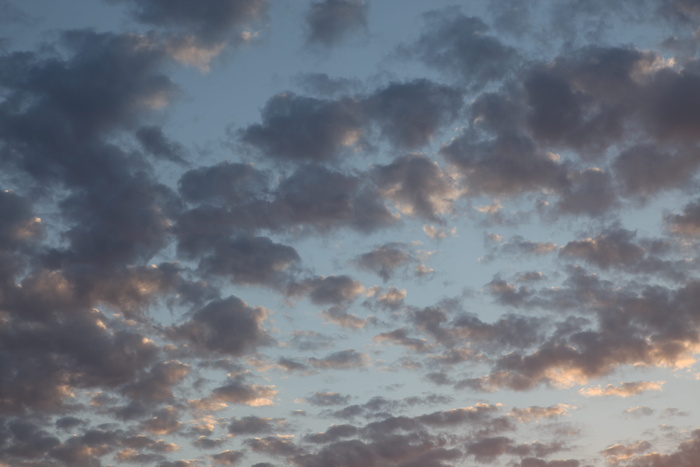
(510, 165)
(386, 259)
(409, 114)
(253, 425)
(155, 142)
(250, 260)
(613, 248)
(688, 222)
(341, 360)
(237, 391)
(324, 199)
(227, 458)
(460, 45)
(20, 226)
(329, 290)
(328, 22)
(417, 186)
(306, 129)
(228, 326)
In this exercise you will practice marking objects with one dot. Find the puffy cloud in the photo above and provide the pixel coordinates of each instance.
(417, 186)
(510, 165)
(332, 434)
(614, 248)
(638, 412)
(20, 226)
(460, 45)
(253, 425)
(687, 223)
(227, 457)
(155, 142)
(619, 453)
(400, 336)
(157, 384)
(385, 259)
(328, 22)
(529, 414)
(329, 290)
(323, 199)
(410, 113)
(341, 360)
(228, 326)
(250, 260)
(624, 389)
(238, 391)
(305, 129)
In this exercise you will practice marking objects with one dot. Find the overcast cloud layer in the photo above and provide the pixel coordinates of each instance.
(347, 233)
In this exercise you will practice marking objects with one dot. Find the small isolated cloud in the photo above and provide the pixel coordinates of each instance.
(229, 326)
(623, 390)
(328, 22)
(386, 259)
(462, 46)
(638, 412)
(328, 290)
(341, 360)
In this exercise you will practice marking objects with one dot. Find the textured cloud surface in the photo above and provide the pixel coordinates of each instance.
(344, 233)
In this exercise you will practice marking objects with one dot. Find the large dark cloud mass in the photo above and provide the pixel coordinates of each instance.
(467, 237)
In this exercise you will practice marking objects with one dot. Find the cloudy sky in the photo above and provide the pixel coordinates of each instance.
(390, 233)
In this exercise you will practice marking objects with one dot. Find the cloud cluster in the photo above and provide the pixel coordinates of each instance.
(134, 268)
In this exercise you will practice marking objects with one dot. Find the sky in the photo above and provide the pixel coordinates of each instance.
(346, 233)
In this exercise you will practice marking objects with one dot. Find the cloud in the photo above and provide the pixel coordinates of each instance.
(155, 142)
(323, 199)
(324, 399)
(417, 186)
(227, 326)
(209, 20)
(250, 260)
(624, 389)
(237, 391)
(620, 453)
(305, 129)
(510, 165)
(410, 113)
(329, 290)
(614, 248)
(341, 360)
(227, 457)
(328, 22)
(253, 425)
(687, 223)
(386, 259)
(533, 413)
(332, 434)
(400, 336)
(638, 412)
(460, 45)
